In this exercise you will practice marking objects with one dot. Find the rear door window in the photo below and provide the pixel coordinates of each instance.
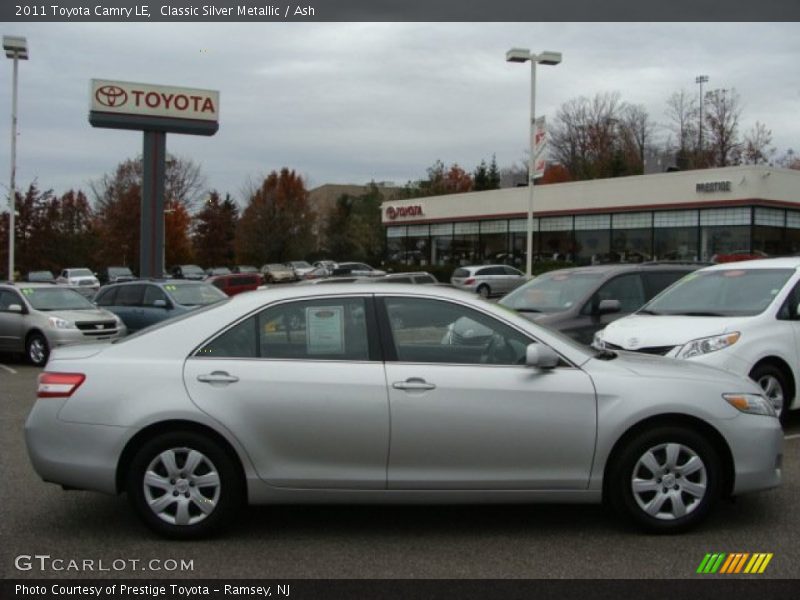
(655, 283)
(130, 295)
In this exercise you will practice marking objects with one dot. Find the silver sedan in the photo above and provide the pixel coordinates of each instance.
(356, 393)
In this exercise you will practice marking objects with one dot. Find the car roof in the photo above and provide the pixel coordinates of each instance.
(156, 281)
(30, 284)
(615, 268)
(786, 262)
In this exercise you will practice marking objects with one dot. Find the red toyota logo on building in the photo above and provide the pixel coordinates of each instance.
(403, 211)
(111, 96)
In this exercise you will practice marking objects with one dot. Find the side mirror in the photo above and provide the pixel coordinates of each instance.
(541, 356)
(15, 308)
(607, 307)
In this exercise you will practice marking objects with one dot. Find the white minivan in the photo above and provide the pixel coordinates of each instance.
(740, 316)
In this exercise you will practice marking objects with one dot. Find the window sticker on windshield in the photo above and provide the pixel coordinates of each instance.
(27, 291)
(738, 273)
(325, 329)
(170, 288)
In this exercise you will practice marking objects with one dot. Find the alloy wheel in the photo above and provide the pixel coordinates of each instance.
(773, 390)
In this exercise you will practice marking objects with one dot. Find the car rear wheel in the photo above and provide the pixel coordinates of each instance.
(37, 349)
(484, 290)
(772, 380)
(665, 480)
(184, 485)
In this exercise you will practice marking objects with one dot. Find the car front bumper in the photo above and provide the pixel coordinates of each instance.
(756, 443)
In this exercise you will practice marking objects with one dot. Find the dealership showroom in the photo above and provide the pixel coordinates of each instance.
(683, 215)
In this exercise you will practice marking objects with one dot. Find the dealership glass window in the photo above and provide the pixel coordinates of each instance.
(592, 239)
(556, 241)
(717, 242)
(769, 240)
(632, 237)
(725, 216)
(465, 246)
(417, 245)
(769, 217)
(518, 239)
(395, 243)
(792, 239)
(494, 242)
(675, 234)
(441, 243)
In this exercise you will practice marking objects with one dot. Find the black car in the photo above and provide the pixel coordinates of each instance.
(580, 301)
(117, 275)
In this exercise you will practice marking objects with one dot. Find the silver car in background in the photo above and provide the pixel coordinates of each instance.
(37, 317)
(347, 393)
(487, 280)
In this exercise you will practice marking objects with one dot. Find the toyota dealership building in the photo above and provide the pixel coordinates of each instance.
(711, 214)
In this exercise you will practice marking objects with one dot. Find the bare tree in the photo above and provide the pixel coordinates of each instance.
(755, 149)
(637, 132)
(681, 113)
(722, 118)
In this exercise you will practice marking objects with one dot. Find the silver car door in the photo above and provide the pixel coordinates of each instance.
(300, 385)
(466, 414)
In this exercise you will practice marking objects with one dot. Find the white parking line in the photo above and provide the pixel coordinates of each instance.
(9, 369)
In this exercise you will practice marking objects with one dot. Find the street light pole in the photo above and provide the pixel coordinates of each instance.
(17, 49)
(701, 79)
(522, 55)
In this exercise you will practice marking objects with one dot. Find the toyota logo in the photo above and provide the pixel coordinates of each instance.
(111, 96)
(391, 212)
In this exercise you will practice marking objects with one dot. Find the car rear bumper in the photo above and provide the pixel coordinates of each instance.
(75, 455)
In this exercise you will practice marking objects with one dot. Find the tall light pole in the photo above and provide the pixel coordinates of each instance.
(17, 49)
(521, 55)
(701, 79)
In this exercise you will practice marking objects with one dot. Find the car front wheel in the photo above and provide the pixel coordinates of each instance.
(665, 480)
(184, 485)
(37, 349)
(772, 380)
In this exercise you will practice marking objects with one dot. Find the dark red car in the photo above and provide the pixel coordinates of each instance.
(236, 283)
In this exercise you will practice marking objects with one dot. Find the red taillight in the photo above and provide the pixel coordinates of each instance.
(469, 281)
(59, 385)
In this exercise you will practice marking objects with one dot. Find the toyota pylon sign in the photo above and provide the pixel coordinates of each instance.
(147, 100)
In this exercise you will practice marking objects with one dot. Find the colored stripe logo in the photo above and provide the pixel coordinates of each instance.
(735, 563)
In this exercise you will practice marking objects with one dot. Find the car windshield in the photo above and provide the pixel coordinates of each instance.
(81, 273)
(729, 292)
(552, 292)
(300, 264)
(55, 298)
(195, 295)
(192, 269)
(119, 271)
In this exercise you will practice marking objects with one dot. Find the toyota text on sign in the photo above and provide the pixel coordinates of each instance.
(154, 100)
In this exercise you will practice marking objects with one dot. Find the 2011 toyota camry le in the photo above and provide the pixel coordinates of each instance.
(360, 393)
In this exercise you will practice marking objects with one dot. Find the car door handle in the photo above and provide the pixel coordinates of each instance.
(217, 377)
(413, 383)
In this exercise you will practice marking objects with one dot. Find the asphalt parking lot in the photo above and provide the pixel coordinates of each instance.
(540, 541)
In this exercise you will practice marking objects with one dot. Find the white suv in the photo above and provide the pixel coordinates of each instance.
(83, 280)
(740, 316)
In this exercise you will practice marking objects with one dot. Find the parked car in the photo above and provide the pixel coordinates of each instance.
(579, 302)
(487, 280)
(742, 317)
(236, 283)
(318, 272)
(245, 269)
(118, 274)
(275, 397)
(415, 277)
(84, 280)
(40, 277)
(142, 303)
(301, 267)
(188, 272)
(278, 273)
(356, 269)
(213, 271)
(37, 317)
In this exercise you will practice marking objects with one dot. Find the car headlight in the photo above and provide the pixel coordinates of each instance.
(702, 346)
(58, 323)
(752, 404)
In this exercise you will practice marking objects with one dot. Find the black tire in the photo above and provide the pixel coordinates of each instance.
(670, 486)
(223, 500)
(37, 350)
(484, 291)
(773, 381)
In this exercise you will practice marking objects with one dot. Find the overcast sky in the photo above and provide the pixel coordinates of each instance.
(354, 102)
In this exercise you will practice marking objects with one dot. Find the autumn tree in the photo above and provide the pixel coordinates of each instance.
(354, 227)
(441, 180)
(722, 112)
(276, 224)
(215, 231)
(177, 243)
